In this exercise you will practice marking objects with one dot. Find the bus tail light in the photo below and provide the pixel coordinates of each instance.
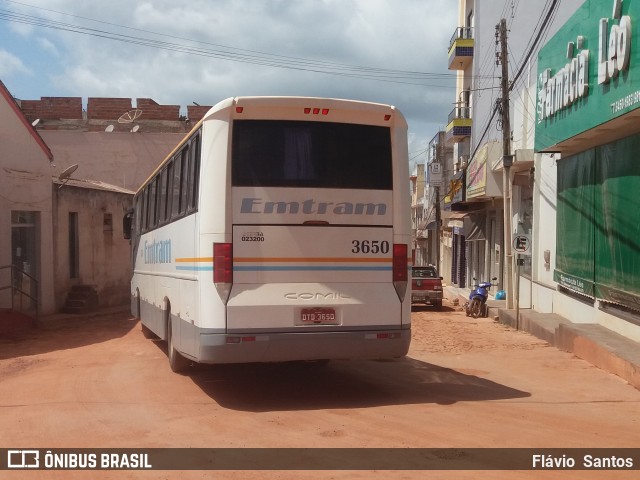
(223, 269)
(316, 111)
(400, 269)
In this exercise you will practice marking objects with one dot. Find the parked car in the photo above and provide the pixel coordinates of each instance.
(426, 286)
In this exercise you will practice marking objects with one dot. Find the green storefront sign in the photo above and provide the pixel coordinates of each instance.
(577, 284)
(589, 72)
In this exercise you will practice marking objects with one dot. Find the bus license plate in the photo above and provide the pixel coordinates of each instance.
(318, 316)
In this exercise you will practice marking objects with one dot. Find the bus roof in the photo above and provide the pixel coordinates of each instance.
(387, 112)
(290, 101)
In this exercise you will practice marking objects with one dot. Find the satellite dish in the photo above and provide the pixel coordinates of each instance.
(109, 129)
(135, 129)
(66, 174)
(130, 116)
(35, 122)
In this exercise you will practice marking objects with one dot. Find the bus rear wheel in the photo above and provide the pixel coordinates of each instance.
(176, 361)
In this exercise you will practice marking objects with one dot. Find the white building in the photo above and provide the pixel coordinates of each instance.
(67, 177)
(26, 212)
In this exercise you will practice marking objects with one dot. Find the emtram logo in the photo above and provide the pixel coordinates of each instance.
(23, 459)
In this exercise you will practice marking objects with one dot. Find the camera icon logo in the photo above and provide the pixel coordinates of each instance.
(23, 459)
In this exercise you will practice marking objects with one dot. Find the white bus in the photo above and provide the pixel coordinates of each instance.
(277, 230)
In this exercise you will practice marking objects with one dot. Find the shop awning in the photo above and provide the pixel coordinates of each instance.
(453, 219)
(430, 226)
(473, 226)
(451, 215)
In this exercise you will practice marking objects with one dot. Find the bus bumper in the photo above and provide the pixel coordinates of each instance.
(283, 347)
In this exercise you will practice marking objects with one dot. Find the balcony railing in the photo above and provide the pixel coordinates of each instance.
(459, 112)
(459, 126)
(461, 33)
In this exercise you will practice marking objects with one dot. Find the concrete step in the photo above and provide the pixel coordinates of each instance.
(76, 309)
(81, 299)
(72, 295)
(541, 325)
(80, 302)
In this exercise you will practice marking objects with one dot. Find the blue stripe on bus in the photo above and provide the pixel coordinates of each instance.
(209, 268)
(196, 268)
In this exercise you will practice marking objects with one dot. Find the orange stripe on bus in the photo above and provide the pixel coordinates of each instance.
(194, 260)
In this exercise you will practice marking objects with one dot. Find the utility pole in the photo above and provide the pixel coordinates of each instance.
(507, 160)
(439, 159)
(438, 230)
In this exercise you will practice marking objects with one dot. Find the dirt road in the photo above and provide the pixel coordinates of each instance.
(466, 383)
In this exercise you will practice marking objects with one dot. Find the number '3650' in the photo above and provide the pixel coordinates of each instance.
(369, 246)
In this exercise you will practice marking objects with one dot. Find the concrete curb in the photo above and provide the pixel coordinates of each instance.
(594, 343)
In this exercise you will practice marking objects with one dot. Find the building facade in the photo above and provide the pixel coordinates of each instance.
(419, 234)
(68, 176)
(91, 256)
(481, 206)
(588, 137)
(26, 212)
(574, 131)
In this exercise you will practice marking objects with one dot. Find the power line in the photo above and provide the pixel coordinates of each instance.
(544, 26)
(536, 39)
(224, 52)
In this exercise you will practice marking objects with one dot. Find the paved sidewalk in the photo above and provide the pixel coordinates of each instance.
(594, 343)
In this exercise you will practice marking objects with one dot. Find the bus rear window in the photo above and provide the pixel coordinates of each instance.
(275, 153)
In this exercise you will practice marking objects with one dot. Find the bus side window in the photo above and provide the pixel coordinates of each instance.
(145, 209)
(175, 193)
(162, 197)
(184, 191)
(194, 173)
(169, 189)
(153, 203)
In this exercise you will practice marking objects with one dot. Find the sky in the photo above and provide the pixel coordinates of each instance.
(180, 52)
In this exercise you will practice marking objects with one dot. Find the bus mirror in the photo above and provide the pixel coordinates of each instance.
(127, 222)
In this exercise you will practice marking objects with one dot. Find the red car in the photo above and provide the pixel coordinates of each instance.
(426, 286)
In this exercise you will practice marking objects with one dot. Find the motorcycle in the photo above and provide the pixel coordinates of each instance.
(477, 304)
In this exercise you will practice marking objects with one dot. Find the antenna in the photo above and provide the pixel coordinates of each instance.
(130, 116)
(66, 174)
(109, 129)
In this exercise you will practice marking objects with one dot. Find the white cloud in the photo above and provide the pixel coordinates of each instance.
(408, 35)
(11, 65)
(48, 46)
